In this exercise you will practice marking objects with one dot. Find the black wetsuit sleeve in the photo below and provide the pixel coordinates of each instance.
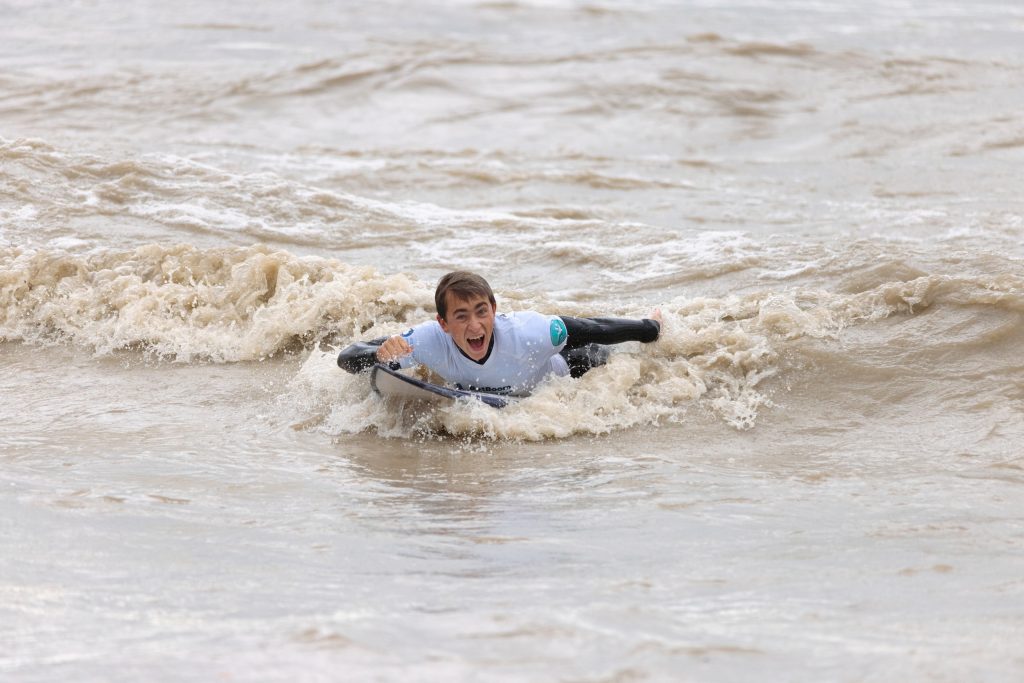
(360, 356)
(583, 331)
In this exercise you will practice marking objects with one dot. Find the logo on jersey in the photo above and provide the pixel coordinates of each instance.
(558, 333)
(407, 333)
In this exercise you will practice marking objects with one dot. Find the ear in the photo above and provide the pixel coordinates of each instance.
(442, 323)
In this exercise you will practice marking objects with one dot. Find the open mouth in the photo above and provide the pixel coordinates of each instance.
(476, 344)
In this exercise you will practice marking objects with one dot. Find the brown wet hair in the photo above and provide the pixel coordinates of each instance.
(464, 286)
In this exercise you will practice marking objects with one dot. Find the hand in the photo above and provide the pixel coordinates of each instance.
(656, 317)
(393, 349)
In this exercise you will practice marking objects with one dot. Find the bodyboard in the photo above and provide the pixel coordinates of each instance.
(392, 384)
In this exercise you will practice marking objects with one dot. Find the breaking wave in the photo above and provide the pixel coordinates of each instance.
(716, 355)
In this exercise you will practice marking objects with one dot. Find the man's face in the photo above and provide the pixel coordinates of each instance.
(470, 323)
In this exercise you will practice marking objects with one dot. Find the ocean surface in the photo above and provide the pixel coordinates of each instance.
(816, 474)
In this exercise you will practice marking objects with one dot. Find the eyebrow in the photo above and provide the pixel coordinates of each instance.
(465, 309)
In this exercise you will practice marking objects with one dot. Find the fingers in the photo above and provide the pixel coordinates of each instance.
(393, 348)
(656, 317)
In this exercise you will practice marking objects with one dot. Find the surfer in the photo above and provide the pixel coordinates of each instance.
(474, 347)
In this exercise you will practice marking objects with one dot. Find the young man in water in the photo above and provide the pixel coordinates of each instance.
(472, 347)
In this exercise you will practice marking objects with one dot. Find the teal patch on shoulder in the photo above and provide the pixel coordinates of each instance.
(558, 333)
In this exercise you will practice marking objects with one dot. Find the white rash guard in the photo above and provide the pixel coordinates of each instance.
(524, 351)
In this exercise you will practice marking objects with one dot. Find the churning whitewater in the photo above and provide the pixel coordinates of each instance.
(815, 474)
(228, 305)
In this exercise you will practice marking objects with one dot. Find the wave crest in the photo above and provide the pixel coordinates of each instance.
(221, 305)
